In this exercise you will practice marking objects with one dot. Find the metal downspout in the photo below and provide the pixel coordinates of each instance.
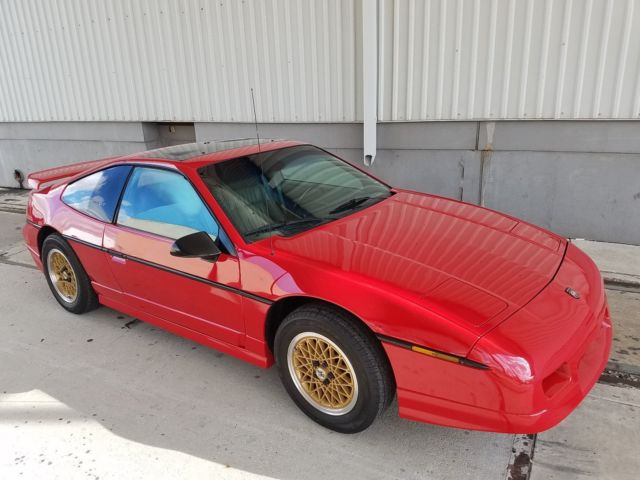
(369, 79)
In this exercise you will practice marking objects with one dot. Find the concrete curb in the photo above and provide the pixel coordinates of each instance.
(13, 200)
(622, 284)
(10, 209)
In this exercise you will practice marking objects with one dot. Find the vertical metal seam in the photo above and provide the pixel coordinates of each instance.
(339, 111)
(315, 82)
(327, 62)
(564, 47)
(488, 88)
(212, 73)
(441, 54)
(291, 83)
(271, 108)
(126, 73)
(43, 98)
(13, 104)
(304, 115)
(544, 59)
(602, 59)
(223, 61)
(586, 27)
(424, 97)
(622, 58)
(236, 94)
(474, 61)
(26, 52)
(525, 60)
(507, 72)
(457, 62)
(410, 55)
(245, 82)
(255, 82)
(382, 60)
(395, 60)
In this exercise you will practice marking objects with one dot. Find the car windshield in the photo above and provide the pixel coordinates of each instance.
(289, 190)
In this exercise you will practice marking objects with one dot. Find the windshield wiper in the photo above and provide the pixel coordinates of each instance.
(349, 205)
(275, 226)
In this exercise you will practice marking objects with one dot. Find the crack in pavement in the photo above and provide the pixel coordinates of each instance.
(521, 460)
(6, 261)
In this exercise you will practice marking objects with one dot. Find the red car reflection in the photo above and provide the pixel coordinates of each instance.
(280, 252)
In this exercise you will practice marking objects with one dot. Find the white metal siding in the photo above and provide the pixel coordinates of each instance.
(196, 60)
(509, 59)
(178, 60)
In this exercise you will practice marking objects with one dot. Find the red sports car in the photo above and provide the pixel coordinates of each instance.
(279, 251)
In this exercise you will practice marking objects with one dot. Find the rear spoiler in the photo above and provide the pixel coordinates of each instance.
(36, 180)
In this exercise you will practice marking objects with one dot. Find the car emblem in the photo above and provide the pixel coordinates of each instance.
(572, 292)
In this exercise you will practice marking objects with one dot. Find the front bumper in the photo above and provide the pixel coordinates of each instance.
(464, 397)
(542, 362)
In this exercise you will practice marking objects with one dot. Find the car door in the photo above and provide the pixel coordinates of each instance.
(159, 206)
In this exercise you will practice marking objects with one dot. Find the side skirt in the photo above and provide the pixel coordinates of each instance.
(238, 352)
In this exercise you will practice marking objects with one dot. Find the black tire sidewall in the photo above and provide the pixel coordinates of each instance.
(85, 298)
(368, 403)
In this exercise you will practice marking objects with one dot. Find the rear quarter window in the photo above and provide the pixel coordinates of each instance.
(97, 195)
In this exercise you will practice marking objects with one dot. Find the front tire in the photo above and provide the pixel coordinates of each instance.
(333, 368)
(67, 279)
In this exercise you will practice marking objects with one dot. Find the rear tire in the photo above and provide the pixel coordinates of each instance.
(333, 368)
(67, 279)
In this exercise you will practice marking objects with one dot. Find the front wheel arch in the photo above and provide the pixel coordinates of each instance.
(281, 308)
(284, 306)
(358, 350)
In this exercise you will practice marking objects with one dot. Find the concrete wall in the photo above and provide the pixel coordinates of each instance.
(580, 179)
(34, 146)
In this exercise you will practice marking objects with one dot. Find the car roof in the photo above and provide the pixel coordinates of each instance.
(211, 151)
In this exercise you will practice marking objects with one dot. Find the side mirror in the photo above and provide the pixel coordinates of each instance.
(196, 245)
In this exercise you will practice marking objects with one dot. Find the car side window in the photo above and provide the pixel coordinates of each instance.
(97, 194)
(165, 203)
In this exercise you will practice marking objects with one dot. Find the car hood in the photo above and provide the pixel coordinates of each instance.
(472, 262)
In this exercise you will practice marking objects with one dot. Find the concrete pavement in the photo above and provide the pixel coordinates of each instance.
(619, 263)
(102, 395)
(13, 200)
(598, 441)
(138, 402)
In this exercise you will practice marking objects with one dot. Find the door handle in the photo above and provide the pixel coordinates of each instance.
(119, 259)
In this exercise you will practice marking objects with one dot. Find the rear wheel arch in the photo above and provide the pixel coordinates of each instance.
(43, 234)
(65, 275)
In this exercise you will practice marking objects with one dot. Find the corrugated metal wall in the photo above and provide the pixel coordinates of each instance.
(509, 59)
(196, 60)
(179, 60)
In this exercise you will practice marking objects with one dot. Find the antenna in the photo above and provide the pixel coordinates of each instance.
(255, 119)
(266, 203)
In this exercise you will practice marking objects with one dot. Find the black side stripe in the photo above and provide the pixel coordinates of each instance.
(402, 344)
(34, 224)
(164, 268)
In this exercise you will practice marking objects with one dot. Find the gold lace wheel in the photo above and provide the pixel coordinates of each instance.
(322, 373)
(62, 276)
